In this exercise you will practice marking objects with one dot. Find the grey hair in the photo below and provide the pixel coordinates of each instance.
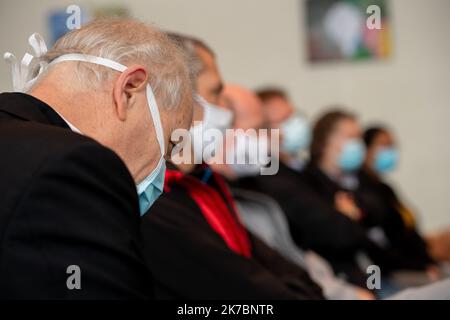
(189, 46)
(128, 41)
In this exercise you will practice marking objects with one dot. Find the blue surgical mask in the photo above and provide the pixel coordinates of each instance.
(352, 155)
(296, 135)
(386, 160)
(151, 187)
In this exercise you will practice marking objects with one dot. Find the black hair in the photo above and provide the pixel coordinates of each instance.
(371, 133)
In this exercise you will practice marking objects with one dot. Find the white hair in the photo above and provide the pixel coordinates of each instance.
(128, 42)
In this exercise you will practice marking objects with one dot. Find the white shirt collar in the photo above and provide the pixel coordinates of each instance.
(71, 126)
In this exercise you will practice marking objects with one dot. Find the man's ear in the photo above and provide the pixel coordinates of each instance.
(126, 87)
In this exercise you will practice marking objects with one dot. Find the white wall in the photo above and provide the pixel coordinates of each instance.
(263, 41)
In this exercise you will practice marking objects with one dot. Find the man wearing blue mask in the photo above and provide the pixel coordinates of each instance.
(83, 156)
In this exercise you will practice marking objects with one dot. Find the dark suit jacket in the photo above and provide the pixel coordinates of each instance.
(64, 200)
(382, 205)
(314, 224)
(388, 258)
(189, 260)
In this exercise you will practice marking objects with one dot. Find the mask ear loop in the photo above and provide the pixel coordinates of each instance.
(21, 74)
(38, 44)
(40, 48)
(153, 106)
(154, 111)
(15, 70)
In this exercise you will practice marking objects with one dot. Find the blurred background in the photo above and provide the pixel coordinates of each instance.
(400, 77)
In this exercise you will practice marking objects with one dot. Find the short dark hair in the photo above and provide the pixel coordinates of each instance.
(268, 93)
(323, 129)
(371, 133)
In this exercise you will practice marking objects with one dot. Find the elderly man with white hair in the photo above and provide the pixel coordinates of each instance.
(83, 156)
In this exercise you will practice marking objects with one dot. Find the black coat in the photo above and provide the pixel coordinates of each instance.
(313, 221)
(383, 206)
(388, 258)
(64, 200)
(190, 260)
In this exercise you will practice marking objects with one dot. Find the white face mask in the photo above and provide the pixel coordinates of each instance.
(214, 118)
(152, 186)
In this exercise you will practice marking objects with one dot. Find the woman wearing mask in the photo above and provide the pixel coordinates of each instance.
(337, 152)
(396, 221)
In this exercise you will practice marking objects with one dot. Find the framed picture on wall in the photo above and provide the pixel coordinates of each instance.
(348, 30)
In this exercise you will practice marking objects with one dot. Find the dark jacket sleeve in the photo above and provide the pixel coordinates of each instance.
(189, 260)
(312, 222)
(289, 273)
(80, 209)
(315, 225)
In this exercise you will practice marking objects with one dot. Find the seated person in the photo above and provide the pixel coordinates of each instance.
(337, 152)
(264, 217)
(397, 221)
(194, 242)
(261, 214)
(314, 224)
(279, 113)
(76, 150)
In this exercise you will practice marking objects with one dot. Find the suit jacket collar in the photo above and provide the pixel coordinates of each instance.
(29, 108)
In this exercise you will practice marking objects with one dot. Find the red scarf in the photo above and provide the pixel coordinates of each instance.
(223, 220)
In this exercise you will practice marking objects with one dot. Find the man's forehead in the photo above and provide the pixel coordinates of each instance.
(206, 57)
(278, 109)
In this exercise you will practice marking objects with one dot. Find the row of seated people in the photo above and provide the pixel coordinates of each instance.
(224, 230)
(84, 166)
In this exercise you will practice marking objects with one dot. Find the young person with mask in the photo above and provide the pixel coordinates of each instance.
(83, 158)
(194, 241)
(314, 224)
(337, 152)
(396, 220)
(265, 218)
(262, 214)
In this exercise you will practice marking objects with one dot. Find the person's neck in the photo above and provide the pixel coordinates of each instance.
(368, 169)
(72, 108)
(330, 169)
(87, 112)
